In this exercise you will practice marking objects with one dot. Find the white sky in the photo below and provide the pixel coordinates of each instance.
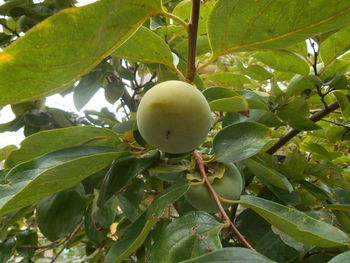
(57, 101)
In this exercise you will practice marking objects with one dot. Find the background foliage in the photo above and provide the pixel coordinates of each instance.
(89, 189)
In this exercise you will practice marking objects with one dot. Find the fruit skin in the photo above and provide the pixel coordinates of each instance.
(230, 187)
(174, 117)
(21, 108)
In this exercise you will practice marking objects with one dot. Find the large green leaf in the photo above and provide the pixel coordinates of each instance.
(215, 93)
(31, 181)
(268, 174)
(297, 121)
(122, 171)
(87, 87)
(6, 249)
(270, 244)
(233, 104)
(240, 141)
(227, 79)
(240, 25)
(146, 46)
(139, 230)
(52, 55)
(58, 215)
(53, 140)
(296, 224)
(231, 255)
(335, 45)
(190, 236)
(284, 61)
(183, 10)
(341, 258)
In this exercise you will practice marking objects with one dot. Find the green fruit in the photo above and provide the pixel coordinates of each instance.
(230, 187)
(174, 117)
(21, 108)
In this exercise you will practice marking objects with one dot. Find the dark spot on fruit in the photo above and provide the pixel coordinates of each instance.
(167, 134)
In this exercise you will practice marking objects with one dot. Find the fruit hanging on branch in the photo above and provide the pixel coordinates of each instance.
(227, 183)
(174, 117)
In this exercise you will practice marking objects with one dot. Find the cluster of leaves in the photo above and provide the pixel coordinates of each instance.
(275, 74)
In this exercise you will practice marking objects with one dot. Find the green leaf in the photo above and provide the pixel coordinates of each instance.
(343, 101)
(26, 238)
(297, 121)
(129, 210)
(215, 93)
(138, 231)
(6, 249)
(226, 79)
(315, 190)
(233, 104)
(296, 224)
(268, 174)
(190, 236)
(6, 151)
(251, 225)
(241, 25)
(53, 140)
(270, 244)
(258, 73)
(231, 255)
(51, 56)
(317, 150)
(146, 46)
(337, 67)
(87, 87)
(291, 242)
(341, 258)
(92, 232)
(183, 10)
(340, 207)
(202, 48)
(298, 84)
(237, 142)
(59, 214)
(299, 48)
(31, 181)
(335, 45)
(122, 171)
(284, 61)
(329, 173)
(114, 91)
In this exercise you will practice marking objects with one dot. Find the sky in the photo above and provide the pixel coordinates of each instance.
(57, 101)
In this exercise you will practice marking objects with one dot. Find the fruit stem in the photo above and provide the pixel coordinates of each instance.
(192, 40)
(201, 169)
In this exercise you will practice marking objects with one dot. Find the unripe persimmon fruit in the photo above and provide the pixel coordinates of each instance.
(174, 117)
(230, 187)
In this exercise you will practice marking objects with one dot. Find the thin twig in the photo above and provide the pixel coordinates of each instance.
(201, 169)
(314, 64)
(336, 123)
(315, 117)
(69, 238)
(51, 245)
(11, 30)
(192, 40)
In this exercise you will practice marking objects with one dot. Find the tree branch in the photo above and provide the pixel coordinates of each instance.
(69, 238)
(315, 117)
(192, 40)
(201, 169)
